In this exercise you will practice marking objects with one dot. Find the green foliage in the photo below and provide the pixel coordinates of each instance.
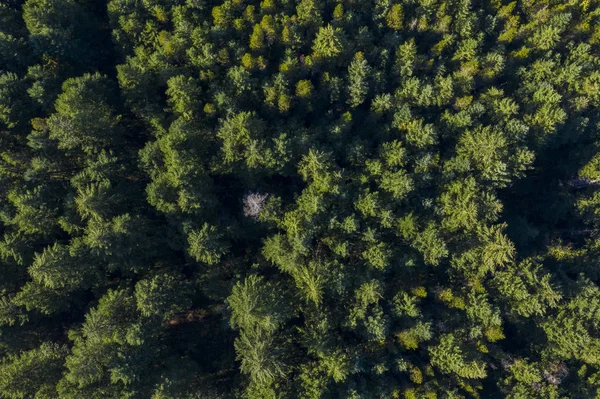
(328, 43)
(62, 30)
(449, 358)
(15, 106)
(163, 295)
(33, 373)
(205, 244)
(310, 199)
(84, 120)
(109, 352)
(258, 317)
(394, 17)
(358, 73)
(184, 94)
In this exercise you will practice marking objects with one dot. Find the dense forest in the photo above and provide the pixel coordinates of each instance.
(214, 199)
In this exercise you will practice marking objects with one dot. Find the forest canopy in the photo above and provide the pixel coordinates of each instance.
(213, 199)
